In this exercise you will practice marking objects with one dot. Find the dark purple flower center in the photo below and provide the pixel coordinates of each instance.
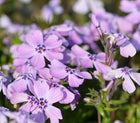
(69, 70)
(92, 57)
(40, 48)
(43, 103)
(126, 70)
(26, 76)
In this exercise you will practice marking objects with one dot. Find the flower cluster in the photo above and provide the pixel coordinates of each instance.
(50, 65)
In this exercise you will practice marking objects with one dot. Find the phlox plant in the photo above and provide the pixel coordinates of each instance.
(49, 66)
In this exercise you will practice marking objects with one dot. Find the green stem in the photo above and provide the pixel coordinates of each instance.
(99, 118)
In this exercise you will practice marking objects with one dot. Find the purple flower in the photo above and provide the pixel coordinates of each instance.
(73, 76)
(126, 47)
(35, 48)
(2, 1)
(45, 73)
(5, 21)
(52, 8)
(22, 83)
(136, 39)
(40, 103)
(3, 117)
(4, 82)
(131, 7)
(75, 101)
(76, 34)
(127, 25)
(16, 117)
(83, 6)
(87, 60)
(68, 96)
(127, 74)
(114, 41)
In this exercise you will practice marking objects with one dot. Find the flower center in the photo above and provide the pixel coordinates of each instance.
(69, 70)
(92, 57)
(40, 48)
(26, 76)
(126, 70)
(43, 103)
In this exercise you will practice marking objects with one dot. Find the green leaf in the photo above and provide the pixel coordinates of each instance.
(101, 111)
(117, 102)
(111, 109)
(16, 39)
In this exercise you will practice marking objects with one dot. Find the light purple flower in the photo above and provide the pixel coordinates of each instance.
(4, 82)
(15, 117)
(136, 40)
(40, 103)
(5, 21)
(127, 25)
(22, 83)
(83, 6)
(121, 41)
(74, 77)
(68, 95)
(75, 34)
(45, 74)
(3, 117)
(127, 74)
(2, 1)
(35, 48)
(131, 7)
(113, 41)
(87, 60)
(77, 96)
(49, 10)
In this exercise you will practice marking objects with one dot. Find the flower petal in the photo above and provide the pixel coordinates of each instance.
(19, 85)
(75, 37)
(84, 75)
(115, 73)
(74, 81)
(127, 49)
(68, 96)
(127, 6)
(53, 113)
(135, 77)
(18, 98)
(54, 95)
(18, 62)
(100, 57)
(41, 88)
(24, 51)
(38, 61)
(101, 67)
(34, 37)
(51, 55)
(52, 42)
(57, 69)
(128, 85)
(79, 52)
(134, 17)
(86, 63)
